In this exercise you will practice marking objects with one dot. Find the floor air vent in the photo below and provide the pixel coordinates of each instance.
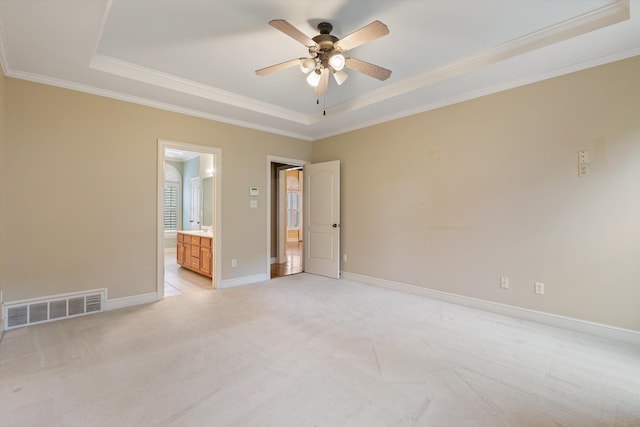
(47, 309)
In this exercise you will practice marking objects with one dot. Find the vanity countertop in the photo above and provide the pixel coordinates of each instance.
(200, 233)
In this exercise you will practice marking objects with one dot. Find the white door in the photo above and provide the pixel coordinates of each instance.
(322, 219)
(194, 212)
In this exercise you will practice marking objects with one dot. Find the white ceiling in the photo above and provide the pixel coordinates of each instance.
(198, 57)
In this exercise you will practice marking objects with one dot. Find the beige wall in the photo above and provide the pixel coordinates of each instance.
(450, 199)
(454, 198)
(81, 208)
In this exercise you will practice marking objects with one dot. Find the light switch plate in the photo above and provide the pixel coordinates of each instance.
(583, 156)
(583, 169)
(253, 204)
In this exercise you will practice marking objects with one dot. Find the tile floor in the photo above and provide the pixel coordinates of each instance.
(304, 350)
(179, 280)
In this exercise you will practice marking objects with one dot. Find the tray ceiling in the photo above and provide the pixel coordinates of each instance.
(199, 57)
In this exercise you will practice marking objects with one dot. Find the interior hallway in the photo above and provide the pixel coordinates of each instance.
(305, 350)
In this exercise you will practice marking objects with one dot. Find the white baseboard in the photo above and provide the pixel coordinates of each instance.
(570, 323)
(240, 281)
(116, 303)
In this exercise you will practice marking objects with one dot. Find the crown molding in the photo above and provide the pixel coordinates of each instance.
(610, 14)
(485, 91)
(139, 73)
(51, 81)
(103, 25)
(598, 18)
(615, 12)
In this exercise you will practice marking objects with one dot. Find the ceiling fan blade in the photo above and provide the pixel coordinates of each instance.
(291, 31)
(365, 34)
(277, 67)
(323, 85)
(368, 69)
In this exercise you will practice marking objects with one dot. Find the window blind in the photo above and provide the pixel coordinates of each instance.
(171, 207)
(293, 209)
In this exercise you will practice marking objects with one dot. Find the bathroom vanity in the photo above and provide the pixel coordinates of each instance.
(195, 251)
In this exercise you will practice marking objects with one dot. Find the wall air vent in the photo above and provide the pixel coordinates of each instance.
(46, 309)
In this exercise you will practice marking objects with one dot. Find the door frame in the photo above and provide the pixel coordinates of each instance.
(217, 211)
(287, 161)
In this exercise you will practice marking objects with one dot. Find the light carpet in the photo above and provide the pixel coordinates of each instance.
(309, 351)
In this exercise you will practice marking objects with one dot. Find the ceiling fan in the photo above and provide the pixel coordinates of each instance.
(325, 54)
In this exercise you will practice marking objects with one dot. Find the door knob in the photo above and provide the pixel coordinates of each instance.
(335, 225)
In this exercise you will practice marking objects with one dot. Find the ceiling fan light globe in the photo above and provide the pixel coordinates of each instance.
(340, 77)
(313, 79)
(307, 65)
(337, 62)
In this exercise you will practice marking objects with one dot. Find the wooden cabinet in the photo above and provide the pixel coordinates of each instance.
(195, 253)
(180, 251)
(205, 261)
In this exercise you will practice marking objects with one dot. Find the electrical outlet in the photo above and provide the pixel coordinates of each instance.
(234, 263)
(583, 169)
(539, 288)
(344, 257)
(504, 282)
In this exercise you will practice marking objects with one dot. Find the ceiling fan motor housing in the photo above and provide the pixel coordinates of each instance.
(325, 42)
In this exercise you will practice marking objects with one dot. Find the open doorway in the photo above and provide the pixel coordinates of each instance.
(285, 217)
(188, 218)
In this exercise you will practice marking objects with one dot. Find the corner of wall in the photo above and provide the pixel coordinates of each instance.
(3, 180)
